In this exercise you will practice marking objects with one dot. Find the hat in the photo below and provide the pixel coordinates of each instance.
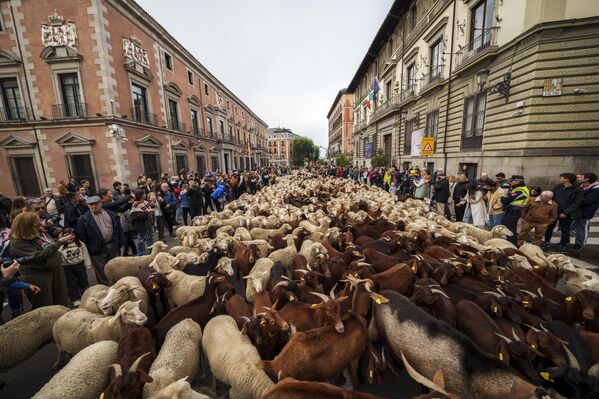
(412, 172)
(517, 177)
(93, 200)
(500, 174)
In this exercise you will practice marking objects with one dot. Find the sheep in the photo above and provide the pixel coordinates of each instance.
(225, 266)
(287, 254)
(185, 287)
(311, 250)
(177, 249)
(20, 338)
(178, 358)
(322, 228)
(233, 359)
(581, 279)
(535, 254)
(237, 221)
(181, 231)
(180, 390)
(126, 289)
(482, 236)
(242, 234)
(264, 247)
(499, 243)
(79, 328)
(189, 258)
(85, 376)
(90, 300)
(258, 277)
(266, 234)
(123, 266)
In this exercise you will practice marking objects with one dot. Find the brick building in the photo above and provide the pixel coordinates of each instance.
(280, 145)
(98, 89)
(341, 123)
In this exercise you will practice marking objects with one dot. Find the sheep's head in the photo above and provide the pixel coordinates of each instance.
(187, 258)
(500, 231)
(179, 389)
(561, 262)
(206, 245)
(159, 246)
(117, 293)
(129, 313)
(225, 266)
(164, 263)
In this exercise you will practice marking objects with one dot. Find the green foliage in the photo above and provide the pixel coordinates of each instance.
(343, 161)
(304, 149)
(379, 158)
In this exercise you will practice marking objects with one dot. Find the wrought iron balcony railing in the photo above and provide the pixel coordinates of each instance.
(141, 115)
(71, 110)
(484, 41)
(14, 114)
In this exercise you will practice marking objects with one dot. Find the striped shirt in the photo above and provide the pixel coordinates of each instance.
(104, 222)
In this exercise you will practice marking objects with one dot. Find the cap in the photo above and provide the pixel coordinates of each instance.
(517, 177)
(93, 200)
(500, 174)
(412, 172)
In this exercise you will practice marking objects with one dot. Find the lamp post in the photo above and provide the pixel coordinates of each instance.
(503, 87)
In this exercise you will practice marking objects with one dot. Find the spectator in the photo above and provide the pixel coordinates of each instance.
(89, 191)
(73, 209)
(82, 193)
(18, 205)
(155, 202)
(218, 195)
(196, 199)
(460, 192)
(441, 193)
(502, 182)
(75, 260)
(128, 234)
(538, 215)
(483, 181)
(52, 205)
(120, 205)
(516, 199)
(141, 221)
(49, 225)
(126, 189)
(117, 189)
(421, 187)
(475, 206)
(11, 287)
(184, 200)
(5, 205)
(71, 186)
(494, 205)
(4, 238)
(569, 197)
(535, 191)
(590, 204)
(168, 207)
(207, 188)
(450, 209)
(41, 264)
(101, 232)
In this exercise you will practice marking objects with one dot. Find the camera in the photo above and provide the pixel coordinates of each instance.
(6, 262)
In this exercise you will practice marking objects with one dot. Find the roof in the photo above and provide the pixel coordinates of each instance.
(339, 94)
(380, 39)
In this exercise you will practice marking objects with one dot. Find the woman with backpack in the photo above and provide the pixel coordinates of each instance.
(142, 222)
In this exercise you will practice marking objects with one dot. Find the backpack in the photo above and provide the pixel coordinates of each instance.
(140, 220)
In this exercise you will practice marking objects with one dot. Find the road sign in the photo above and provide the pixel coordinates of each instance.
(428, 146)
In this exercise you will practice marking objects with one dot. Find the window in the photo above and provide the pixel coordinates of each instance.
(206, 92)
(194, 122)
(235, 110)
(231, 133)
(181, 162)
(474, 118)
(432, 124)
(151, 163)
(190, 77)
(201, 165)
(481, 24)
(238, 136)
(228, 104)
(221, 128)
(11, 98)
(209, 126)
(24, 176)
(388, 93)
(168, 61)
(71, 100)
(436, 60)
(140, 103)
(173, 114)
(412, 18)
(411, 75)
(80, 167)
(214, 160)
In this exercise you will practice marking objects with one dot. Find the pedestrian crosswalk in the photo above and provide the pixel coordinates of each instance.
(592, 239)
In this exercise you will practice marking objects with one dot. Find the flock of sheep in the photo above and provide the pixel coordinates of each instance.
(278, 245)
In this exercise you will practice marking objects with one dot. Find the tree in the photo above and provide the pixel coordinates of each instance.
(303, 148)
(343, 161)
(379, 158)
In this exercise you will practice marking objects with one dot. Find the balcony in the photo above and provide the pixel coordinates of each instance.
(72, 110)
(176, 125)
(433, 78)
(14, 114)
(197, 131)
(408, 94)
(485, 43)
(143, 116)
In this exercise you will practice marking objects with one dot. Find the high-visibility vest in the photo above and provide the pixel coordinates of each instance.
(522, 202)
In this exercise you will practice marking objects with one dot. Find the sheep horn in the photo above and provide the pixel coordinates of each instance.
(308, 266)
(506, 339)
(117, 370)
(529, 293)
(332, 293)
(439, 292)
(136, 363)
(281, 283)
(501, 292)
(246, 319)
(492, 293)
(515, 336)
(532, 327)
(321, 296)
(303, 271)
(544, 328)
(540, 293)
(571, 358)
(422, 379)
(285, 278)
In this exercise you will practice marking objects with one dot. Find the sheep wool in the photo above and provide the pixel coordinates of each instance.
(123, 266)
(179, 389)
(20, 338)
(233, 359)
(92, 297)
(179, 357)
(85, 376)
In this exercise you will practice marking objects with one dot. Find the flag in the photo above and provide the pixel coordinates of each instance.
(367, 103)
(376, 88)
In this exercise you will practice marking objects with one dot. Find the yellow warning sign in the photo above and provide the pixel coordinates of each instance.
(428, 146)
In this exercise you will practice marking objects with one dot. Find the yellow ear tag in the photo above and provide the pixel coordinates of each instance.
(524, 302)
(102, 395)
(414, 269)
(262, 322)
(533, 346)
(154, 285)
(568, 299)
(291, 298)
(536, 267)
(545, 375)
(494, 309)
(469, 264)
(501, 356)
(314, 306)
(370, 373)
(212, 310)
(377, 301)
(111, 321)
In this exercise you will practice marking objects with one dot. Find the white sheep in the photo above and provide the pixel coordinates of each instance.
(322, 228)
(228, 230)
(185, 287)
(178, 358)
(242, 234)
(581, 279)
(499, 243)
(258, 277)
(90, 300)
(79, 328)
(311, 250)
(225, 266)
(285, 255)
(21, 337)
(535, 253)
(178, 249)
(126, 289)
(123, 266)
(267, 234)
(86, 375)
(233, 359)
(179, 390)
(482, 236)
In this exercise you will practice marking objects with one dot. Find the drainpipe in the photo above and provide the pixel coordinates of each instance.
(448, 88)
(37, 141)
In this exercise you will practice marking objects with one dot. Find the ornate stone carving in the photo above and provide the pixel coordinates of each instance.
(134, 52)
(58, 33)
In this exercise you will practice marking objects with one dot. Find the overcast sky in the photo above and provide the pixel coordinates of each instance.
(286, 59)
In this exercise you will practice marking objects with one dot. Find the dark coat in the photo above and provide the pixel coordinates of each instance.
(460, 191)
(196, 196)
(72, 214)
(89, 232)
(441, 194)
(590, 203)
(569, 200)
(118, 205)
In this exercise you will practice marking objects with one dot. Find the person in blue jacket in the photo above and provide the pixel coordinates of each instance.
(590, 204)
(218, 195)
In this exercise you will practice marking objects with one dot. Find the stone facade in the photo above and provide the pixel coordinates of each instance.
(98, 89)
(427, 57)
(341, 124)
(280, 146)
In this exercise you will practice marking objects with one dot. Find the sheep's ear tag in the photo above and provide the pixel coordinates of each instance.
(545, 375)
(494, 309)
(533, 346)
(262, 322)
(469, 264)
(212, 310)
(501, 356)
(111, 321)
(314, 306)
(154, 285)
(568, 299)
(536, 267)
(377, 301)
(102, 395)
(414, 269)
(524, 302)
(291, 298)
(370, 374)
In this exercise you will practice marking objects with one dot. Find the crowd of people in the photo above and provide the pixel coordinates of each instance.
(48, 243)
(485, 203)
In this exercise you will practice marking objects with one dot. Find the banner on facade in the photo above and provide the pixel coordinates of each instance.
(417, 136)
(368, 150)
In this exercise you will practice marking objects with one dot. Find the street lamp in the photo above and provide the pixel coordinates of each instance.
(502, 87)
